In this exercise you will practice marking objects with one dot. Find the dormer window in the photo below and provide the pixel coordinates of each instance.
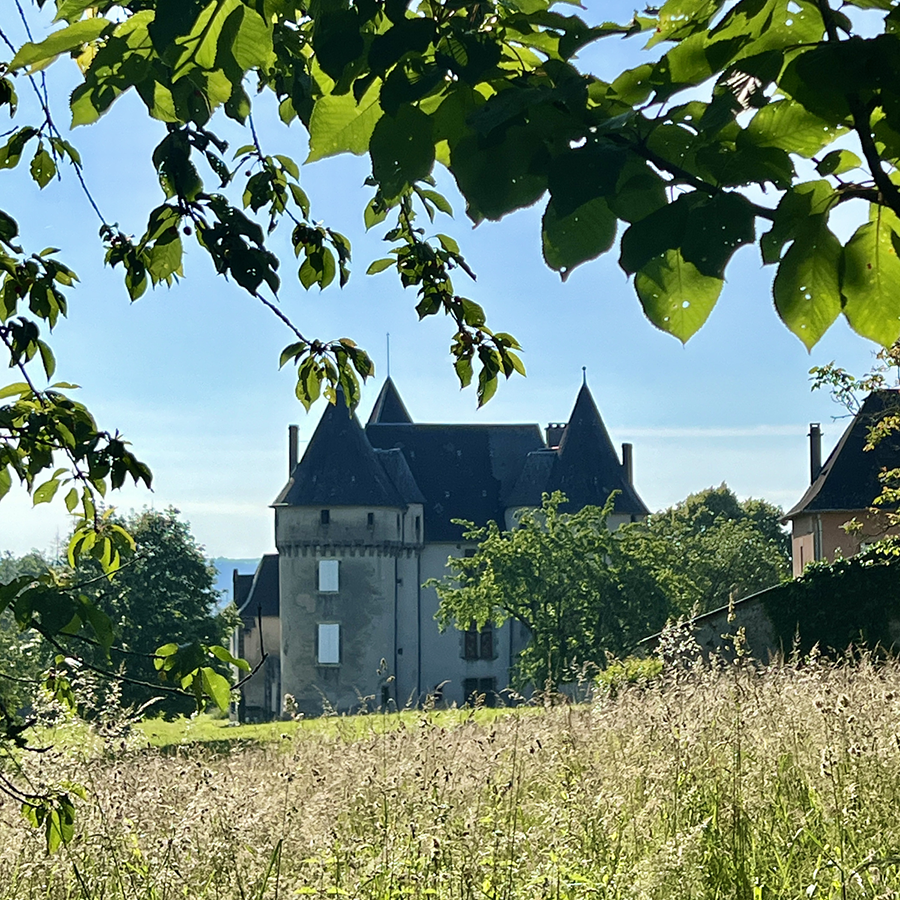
(370, 520)
(325, 516)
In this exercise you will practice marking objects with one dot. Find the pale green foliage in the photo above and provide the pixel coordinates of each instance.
(561, 575)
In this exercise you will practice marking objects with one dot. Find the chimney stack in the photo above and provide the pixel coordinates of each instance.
(292, 449)
(628, 463)
(554, 434)
(815, 451)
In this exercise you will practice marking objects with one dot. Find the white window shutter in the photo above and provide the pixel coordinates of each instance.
(329, 575)
(329, 644)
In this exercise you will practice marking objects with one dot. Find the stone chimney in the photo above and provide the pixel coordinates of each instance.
(292, 448)
(554, 434)
(815, 451)
(628, 463)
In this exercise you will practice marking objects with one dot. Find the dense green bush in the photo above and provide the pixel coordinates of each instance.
(850, 601)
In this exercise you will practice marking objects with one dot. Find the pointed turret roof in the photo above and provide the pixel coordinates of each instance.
(585, 468)
(339, 467)
(389, 408)
(849, 479)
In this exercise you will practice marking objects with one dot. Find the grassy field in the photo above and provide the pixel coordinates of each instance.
(205, 729)
(727, 783)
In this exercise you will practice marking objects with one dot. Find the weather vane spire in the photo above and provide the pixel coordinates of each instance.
(584, 375)
(388, 354)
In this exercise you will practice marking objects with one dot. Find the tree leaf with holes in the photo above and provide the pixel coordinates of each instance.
(870, 279)
(677, 298)
(807, 285)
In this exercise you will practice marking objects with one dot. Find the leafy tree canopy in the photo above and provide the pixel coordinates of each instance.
(165, 594)
(711, 548)
(563, 576)
(23, 657)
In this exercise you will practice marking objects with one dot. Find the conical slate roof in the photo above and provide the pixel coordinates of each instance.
(389, 408)
(339, 467)
(585, 468)
(849, 478)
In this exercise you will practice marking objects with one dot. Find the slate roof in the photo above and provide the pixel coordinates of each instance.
(464, 471)
(389, 407)
(849, 477)
(262, 596)
(394, 463)
(240, 587)
(585, 468)
(472, 472)
(339, 467)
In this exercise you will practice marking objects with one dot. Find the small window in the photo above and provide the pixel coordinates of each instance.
(328, 649)
(329, 576)
(325, 516)
(370, 520)
(478, 644)
(480, 690)
(418, 526)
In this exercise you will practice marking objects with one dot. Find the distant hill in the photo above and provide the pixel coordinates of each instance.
(225, 567)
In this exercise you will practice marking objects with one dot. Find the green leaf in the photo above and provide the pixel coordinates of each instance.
(584, 234)
(380, 265)
(583, 174)
(810, 198)
(716, 227)
(252, 44)
(71, 10)
(19, 388)
(46, 492)
(653, 235)
(216, 687)
(837, 162)
(292, 351)
(43, 168)
(448, 243)
(165, 256)
(497, 177)
(5, 481)
(9, 228)
(341, 125)
(870, 280)
(47, 359)
(807, 285)
(221, 653)
(200, 46)
(439, 200)
(402, 150)
(789, 126)
(336, 39)
(675, 296)
(72, 500)
(463, 368)
(66, 39)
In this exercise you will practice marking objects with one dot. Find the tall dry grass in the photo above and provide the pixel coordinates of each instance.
(719, 783)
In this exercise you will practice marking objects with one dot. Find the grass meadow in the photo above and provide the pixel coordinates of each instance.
(725, 782)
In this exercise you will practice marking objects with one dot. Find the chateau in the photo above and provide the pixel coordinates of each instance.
(365, 519)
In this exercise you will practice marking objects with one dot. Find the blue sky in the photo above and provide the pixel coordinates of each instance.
(189, 374)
